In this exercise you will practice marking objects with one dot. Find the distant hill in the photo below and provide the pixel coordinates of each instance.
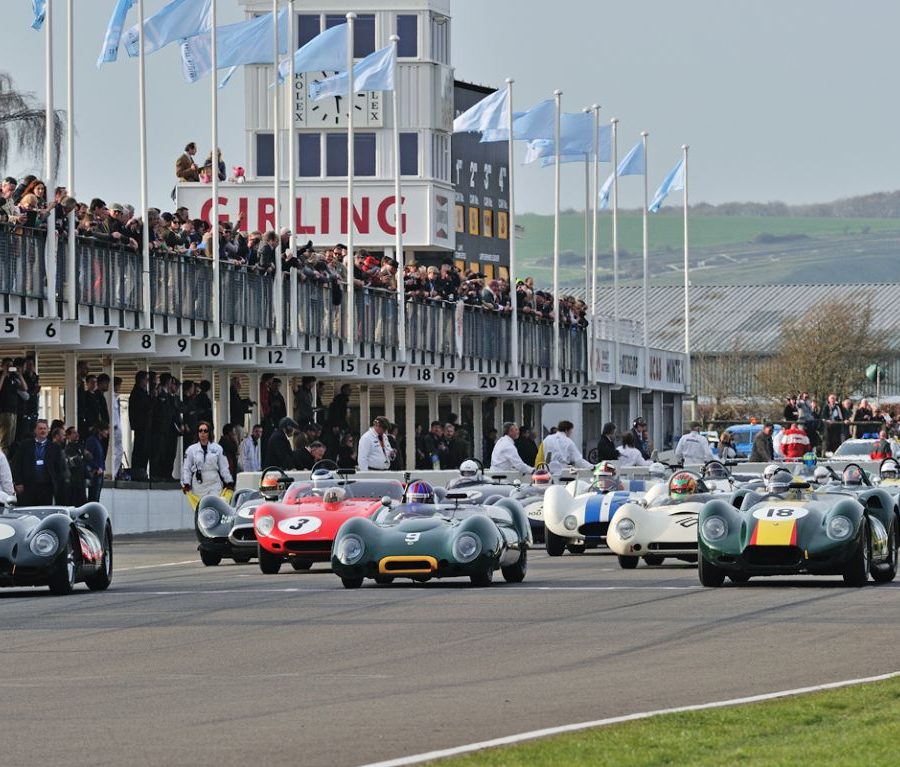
(852, 240)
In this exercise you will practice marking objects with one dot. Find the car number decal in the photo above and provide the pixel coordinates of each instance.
(536, 511)
(780, 513)
(6, 531)
(247, 512)
(411, 538)
(299, 525)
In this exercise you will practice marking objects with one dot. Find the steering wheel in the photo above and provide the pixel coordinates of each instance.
(284, 479)
(325, 463)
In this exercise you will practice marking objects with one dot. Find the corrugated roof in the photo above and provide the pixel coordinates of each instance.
(746, 317)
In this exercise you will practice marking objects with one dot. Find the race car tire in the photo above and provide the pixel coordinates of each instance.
(301, 564)
(484, 577)
(100, 580)
(384, 580)
(654, 559)
(242, 559)
(515, 573)
(887, 573)
(209, 558)
(269, 563)
(556, 544)
(576, 548)
(352, 583)
(627, 563)
(710, 575)
(738, 577)
(62, 577)
(857, 571)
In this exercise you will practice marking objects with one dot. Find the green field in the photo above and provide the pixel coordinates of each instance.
(724, 249)
(839, 728)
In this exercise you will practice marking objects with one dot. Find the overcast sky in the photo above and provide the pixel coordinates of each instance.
(789, 101)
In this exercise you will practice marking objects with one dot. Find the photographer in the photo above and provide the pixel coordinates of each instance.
(12, 391)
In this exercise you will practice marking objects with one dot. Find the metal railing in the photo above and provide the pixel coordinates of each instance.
(22, 270)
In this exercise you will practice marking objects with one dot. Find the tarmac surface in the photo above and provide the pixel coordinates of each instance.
(179, 664)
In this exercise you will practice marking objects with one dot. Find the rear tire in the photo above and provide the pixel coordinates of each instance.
(627, 563)
(555, 544)
(100, 580)
(888, 574)
(62, 579)
(384, 580)
(654, 560)
(485, 577)
(269, 563)
(738, 577)
(301, 565)
(710, 575)
(576, 548)
(209, 558)
(516, 573)
(857, 571)
(242, 559)
(352, 583)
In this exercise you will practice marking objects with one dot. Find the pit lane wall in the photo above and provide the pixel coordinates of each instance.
(149, 511)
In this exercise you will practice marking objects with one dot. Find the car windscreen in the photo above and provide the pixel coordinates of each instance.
(857, 447)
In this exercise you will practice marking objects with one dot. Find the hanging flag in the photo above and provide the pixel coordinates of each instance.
(373, 73)
(247, 42)
(178, 20)
(326, 52)
(110, 50)
(539, 122)
(574, 145)
(489, 114)
(40, 8)
(673, 182)
(632, 164)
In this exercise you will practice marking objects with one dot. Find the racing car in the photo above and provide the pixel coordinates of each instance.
(473, 479)
(300, 529)
(793, 529)
(55, 546)
(225, 530)
(423, 539)
(532, 497)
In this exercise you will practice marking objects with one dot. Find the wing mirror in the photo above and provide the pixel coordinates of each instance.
(386, 501)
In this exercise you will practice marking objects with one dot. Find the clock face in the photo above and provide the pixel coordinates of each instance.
(331, 112)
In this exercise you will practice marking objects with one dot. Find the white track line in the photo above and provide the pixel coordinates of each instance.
(153, 567)
(533, 734)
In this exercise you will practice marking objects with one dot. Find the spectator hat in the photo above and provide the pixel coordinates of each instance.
(287, 423)
(117, 208)
(285, 231)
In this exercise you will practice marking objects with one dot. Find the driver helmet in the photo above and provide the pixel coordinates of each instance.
(682, 485)
(890, 469)
(852, 475)
(270, 487)
(420, 492)
(822, 475)
(605, 468)
(320, 474)
(333, 496)
(469, 468)
(779, 482)
(541, 476)
(770, 470)
(715, 470)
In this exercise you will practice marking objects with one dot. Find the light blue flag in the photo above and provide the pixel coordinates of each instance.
(326, 52)
(673, 182)
(373, 73)
(632, 164)
(247, 42)
(487, 115)
(40, 8)
(178, 20)
(110, 50)
(575, 144)
(539, 122)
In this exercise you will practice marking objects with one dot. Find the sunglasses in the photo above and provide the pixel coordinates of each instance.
(203, 431)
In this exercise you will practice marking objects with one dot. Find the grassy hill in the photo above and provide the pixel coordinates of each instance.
(724, 249)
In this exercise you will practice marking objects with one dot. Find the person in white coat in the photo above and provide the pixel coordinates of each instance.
(205, 468)
(505, 457)
(629, 455)
(693, 447)
(560, 452)
(6, 480)
(374, 452)
(249, 454)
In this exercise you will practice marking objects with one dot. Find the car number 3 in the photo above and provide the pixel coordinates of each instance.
(299, 525)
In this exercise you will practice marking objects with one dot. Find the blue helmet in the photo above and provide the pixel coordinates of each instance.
(420, 492)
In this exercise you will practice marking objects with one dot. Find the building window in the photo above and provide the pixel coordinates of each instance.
(440, 39)
(309, 155)
(265, 155)
(363, 31)
(308, 27)
(363, 154)
(408, 32)
(409, 154)
(440, 156)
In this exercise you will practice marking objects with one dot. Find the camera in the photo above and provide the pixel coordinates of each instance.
(198, 475)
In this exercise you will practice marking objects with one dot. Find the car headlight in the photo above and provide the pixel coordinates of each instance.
(714, 528)
(466, 547)
(625, 528)
(839, 527)
(570, 522)
(350, 549)
(265, 524)
(45, 544)
(208, 518)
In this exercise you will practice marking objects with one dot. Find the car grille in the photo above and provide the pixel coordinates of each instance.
(243, 535)
(594, 529)
(309, 547)
(773, 556)
(685, 546)
(409, 565)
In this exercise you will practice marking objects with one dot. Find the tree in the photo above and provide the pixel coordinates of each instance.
(22, 121)
(826, 350)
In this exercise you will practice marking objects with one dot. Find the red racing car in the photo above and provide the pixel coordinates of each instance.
(300, 528)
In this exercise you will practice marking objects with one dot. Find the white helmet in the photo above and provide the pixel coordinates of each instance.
(770, 470)
(469, 468)
(822, 475)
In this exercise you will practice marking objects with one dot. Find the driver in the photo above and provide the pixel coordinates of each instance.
(715, 470)
(333, 497)
(420, 492)
(682, 485)
(890, 469)
(604, 478)
(852, 476)
(469, 474)
(779, 483)
(822, 475)
(541, 477)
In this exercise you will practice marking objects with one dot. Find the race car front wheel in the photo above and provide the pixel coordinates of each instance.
(209, 558)
(556, 544)
(352, 583)
(627, 563)
(100, 580)
(654, 559)
(62, 579)
(888, 570)
(710, 575)
(269, 563)
(516, 573)
(857, 570)
(484, 577)
(576, 548)
(301, 564)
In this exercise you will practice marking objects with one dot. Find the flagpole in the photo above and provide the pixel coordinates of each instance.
(214, 155)
(71, 293)
(351, 319)
(142, 140)
(398, 207)
(687, 288)
(277, 287)
(49, 141)
(292, 156)
(644, 135)
(615, 236)
(596, 194)
(587, 218)
(556, 131)
(511, 232)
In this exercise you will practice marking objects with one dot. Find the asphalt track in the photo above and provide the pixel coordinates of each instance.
(178, 664)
